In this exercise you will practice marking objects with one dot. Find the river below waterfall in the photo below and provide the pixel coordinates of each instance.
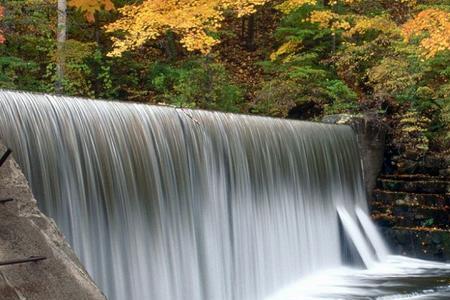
(396, 278)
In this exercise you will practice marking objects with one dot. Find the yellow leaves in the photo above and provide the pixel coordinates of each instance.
(149, 20)
(434, 26)
(192, 21)
(324, 18)
(288, 6)
(242, 7)
(410, 3)
(89, 7)
(329, 19)
(291, 5)
(379, 23)
(198, 41)
(359, 24)
(287, 48)
(346, 2)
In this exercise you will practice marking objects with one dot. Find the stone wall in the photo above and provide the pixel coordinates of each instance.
(370, 134)
(25, 232)
(429, 245)
(412, 211)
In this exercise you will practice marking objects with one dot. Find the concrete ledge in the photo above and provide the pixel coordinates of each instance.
(25, 232)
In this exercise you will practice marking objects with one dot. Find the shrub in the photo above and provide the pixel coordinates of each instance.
(196, 83)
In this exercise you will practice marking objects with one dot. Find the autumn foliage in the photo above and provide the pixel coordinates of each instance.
(194, 22)
(433, 27)
(90, 7)
(285, 58)
(2, 37)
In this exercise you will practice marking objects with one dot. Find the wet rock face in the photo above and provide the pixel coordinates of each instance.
(26, 232)
(413, 211)
(430, 245)
(430, 164)
(371, 142)
(436, 186)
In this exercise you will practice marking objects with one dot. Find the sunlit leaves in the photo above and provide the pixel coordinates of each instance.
(90, 7)
(286, 50)
(329, 19)
(290, 5)
(363, 25)
(193, 22)
(432, 26)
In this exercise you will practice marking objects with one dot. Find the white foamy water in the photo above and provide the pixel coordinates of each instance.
(395, 278)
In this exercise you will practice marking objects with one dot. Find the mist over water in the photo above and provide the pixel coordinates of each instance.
(170, 204)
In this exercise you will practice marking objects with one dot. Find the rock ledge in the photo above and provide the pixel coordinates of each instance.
(25, 232)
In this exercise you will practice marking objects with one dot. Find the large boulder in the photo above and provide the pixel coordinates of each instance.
(26, 232)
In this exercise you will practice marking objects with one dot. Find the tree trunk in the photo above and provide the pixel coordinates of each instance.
(61, 35)
(242, 30)
(171, 46)
(250, 38)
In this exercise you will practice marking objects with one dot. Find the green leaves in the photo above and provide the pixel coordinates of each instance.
(194, 83)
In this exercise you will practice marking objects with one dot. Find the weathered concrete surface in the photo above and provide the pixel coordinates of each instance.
(25, 232)
(371, 142)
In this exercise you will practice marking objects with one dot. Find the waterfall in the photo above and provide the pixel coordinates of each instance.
(372, 234)
(357, 237)
(171, 204)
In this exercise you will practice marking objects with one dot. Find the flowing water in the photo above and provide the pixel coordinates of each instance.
(171, 204)
(396, 278)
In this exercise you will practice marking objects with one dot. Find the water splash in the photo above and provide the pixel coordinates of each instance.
(395, 278)
(372, 234)
(357, 237)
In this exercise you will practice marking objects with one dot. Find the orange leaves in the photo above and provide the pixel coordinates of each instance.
(192, 21)
(433, 26)
(89, 7)
(2, 13)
